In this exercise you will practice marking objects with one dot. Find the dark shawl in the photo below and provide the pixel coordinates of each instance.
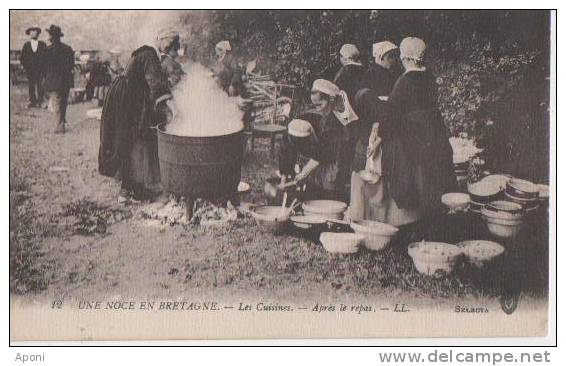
(130, 108)
(417, 156)
(349, 78)
(380, 80)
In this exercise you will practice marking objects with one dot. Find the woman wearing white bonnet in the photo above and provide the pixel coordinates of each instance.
(351, 75)
(383, 73)
(416, 154)
(309, 146)
(226, 71)
(326, 157)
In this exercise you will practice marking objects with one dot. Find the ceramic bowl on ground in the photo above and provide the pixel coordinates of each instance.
(346, 243)
(484, 192)
(521, 188)
(271, 219)
(325, 208)
(434, 258)
(480, 252)
(456, 201)
(376, 234)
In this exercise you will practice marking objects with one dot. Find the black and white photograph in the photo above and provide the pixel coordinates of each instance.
(280, 174)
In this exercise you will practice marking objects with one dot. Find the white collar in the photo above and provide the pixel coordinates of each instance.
(415, 68)
(350, 62)
(156, 50)
(348, 115)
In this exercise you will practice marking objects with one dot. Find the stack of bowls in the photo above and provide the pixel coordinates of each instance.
(327, 209)
(523, 192)
(461, 165)
(504, 218)
(543, 195)
(482, 193)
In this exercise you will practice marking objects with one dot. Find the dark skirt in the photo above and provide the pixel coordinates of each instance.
(124, 152)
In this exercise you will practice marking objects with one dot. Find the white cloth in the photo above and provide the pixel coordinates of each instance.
(167, 33)
(381, 48)
(300, 128)
(224, 45)
(348, 115)
(372, 201)
(373, 155)
(326, 87)
(415, 68)
(350, 62)
(34, 43)
(412, 48)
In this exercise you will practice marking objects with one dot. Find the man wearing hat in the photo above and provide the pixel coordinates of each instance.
(33, 53)
(59, 64)
(381, 76)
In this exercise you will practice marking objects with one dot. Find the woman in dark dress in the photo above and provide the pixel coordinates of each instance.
(135, 105)
(416, 153)
(383, 73)
(98, 80)
(328, 152)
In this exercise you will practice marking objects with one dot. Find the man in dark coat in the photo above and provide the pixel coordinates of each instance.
(59, 64)
(32, 59)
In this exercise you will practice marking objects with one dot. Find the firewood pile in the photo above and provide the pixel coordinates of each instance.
(270, 102)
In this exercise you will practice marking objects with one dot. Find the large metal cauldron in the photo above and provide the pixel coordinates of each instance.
(200, 167)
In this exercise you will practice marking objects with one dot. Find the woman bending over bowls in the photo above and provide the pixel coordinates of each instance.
(318, 143)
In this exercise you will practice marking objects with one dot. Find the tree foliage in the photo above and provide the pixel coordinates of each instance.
(477, 55)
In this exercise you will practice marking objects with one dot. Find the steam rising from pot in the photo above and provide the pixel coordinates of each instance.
(203, 108)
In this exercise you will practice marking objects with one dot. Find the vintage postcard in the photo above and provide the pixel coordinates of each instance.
(281, 174)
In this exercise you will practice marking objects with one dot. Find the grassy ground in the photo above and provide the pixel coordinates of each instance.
(70, 239)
